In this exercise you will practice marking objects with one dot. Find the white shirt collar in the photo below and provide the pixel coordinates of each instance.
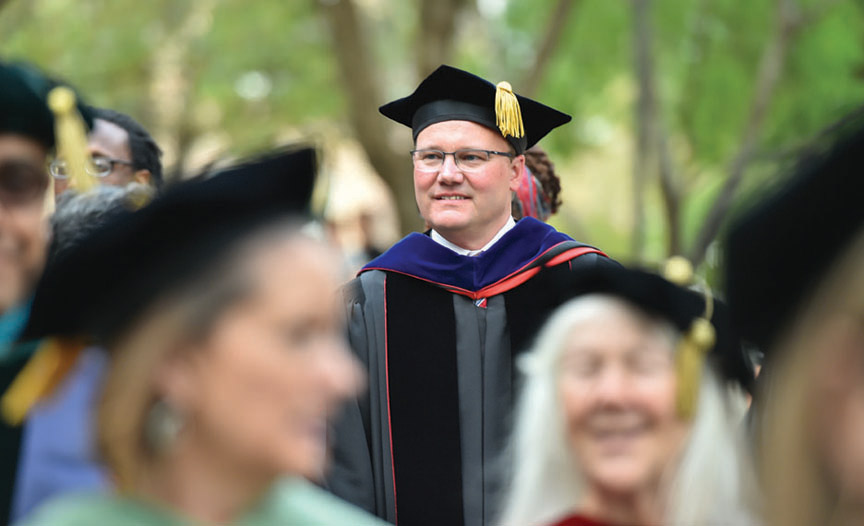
(438, 238)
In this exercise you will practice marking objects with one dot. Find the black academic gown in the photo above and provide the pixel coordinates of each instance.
(10, 442)
(438, 334)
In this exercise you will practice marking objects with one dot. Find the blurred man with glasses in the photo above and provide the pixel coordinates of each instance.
(440, 318)
(122, 150)
(26, 140)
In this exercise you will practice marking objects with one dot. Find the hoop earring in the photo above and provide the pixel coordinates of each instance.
(162, 426)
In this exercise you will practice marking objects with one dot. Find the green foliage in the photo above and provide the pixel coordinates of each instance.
(824, 79)
(112, 51)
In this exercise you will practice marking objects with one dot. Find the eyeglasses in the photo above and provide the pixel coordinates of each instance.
(21, 182)
(100, 167)
(469, 160)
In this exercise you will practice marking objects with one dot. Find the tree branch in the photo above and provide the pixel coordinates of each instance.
(555, 25)
(671, 191)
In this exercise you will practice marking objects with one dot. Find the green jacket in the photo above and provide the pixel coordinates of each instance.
(291, 502)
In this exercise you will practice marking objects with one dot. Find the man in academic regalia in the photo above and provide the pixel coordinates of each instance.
(439, 318)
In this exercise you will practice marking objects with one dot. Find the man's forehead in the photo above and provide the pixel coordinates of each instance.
(109, 138)
(463, 131)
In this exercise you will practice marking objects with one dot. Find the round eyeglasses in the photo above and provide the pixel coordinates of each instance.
(468, 159)
(100, 167)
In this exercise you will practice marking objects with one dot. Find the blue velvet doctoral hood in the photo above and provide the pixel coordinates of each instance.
(419, 256)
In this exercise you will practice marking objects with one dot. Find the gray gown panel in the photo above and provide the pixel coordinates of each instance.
(497, 404)
(485, 400)
(470, 337)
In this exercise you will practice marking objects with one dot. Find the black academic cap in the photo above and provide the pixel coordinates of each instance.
(100, 286)
(663, 299)
(778, 251)
(23, 103)
(452, 94)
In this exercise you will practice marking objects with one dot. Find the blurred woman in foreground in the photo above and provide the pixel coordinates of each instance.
(227, 354)
(805, 309)
(622, 420)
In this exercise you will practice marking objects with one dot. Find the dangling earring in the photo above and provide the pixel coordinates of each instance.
(162, 426)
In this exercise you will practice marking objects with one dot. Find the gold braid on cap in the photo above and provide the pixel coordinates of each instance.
(694, 344)
(71, 138)
(508, 116)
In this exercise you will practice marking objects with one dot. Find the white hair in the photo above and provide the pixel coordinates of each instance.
(711, 484)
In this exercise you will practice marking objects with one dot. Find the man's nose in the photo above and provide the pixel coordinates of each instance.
(449, 172)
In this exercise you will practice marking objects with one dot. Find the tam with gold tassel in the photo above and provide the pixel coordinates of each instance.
(451, 94)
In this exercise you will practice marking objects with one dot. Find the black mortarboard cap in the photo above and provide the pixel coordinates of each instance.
(98, 287)
(23, 103)
(452, 94)
(778, 251)
(663, 299)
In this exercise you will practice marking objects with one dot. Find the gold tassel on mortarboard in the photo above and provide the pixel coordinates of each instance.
(508, 116)
(694, 344)
(71, 138)
(42, 373)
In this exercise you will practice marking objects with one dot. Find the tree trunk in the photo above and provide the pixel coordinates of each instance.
(437, 26)
(551, 38)
(770, 70)
(364, 96)
(644, 116)
(169, 79)
(652, 142)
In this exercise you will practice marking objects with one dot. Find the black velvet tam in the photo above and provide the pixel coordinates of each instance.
(98, 287)
(779, 251)
(23, 103)
(662, 299)
(452, 94)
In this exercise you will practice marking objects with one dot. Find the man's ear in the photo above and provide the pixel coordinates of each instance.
(517, 167)
(142, 176)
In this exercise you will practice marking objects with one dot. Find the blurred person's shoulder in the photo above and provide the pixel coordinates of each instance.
(292, 502)
(296, 502)
(87, 509)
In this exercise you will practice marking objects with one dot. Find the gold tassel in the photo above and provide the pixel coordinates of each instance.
(42, 373)
(689, 361)
(508, 116)
(71, 138)
(694, 345)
